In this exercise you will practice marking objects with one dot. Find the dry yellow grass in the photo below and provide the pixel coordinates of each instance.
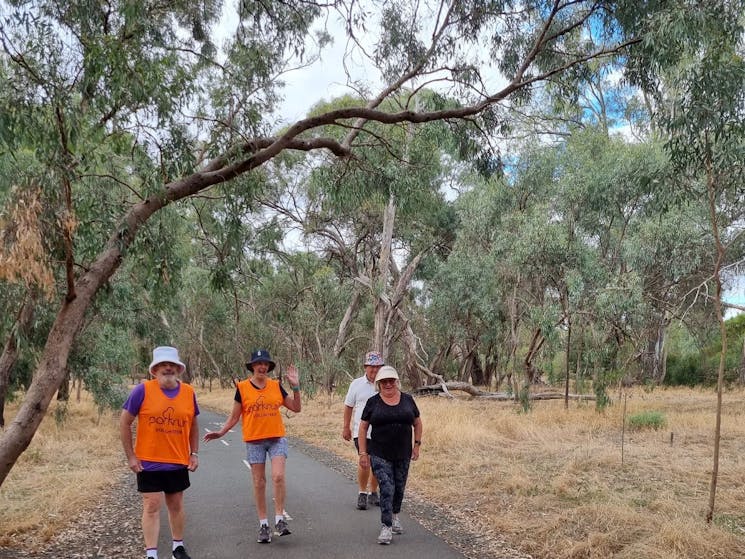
(549, 482)
(63, 470)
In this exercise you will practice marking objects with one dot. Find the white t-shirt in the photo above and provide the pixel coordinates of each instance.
(359, 391)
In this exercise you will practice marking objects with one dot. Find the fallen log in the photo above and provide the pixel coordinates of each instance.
(445, 388)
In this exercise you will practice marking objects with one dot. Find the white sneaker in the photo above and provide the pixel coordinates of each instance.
(397, 528)
(386, 535)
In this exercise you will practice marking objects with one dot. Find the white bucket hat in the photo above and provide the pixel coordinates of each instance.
(385, 371)
(163, 354)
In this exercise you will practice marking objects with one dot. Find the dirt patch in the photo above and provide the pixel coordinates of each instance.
(110, 529)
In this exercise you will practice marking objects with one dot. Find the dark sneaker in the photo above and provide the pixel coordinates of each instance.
(281, 529)
(180, 553)
(373, 500)
(362, 501)
(265, 536)
(397, 528)
(386, 535)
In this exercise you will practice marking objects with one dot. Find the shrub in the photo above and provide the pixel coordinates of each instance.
(646, 420)
(685, 370)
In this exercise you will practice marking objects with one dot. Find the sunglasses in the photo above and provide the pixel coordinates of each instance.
(388, 381)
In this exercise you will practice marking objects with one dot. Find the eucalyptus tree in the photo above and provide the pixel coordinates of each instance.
(380, 218)
(696, 73)
(300, 304)
(564, 255)
(483, 292)
(144, 80)
(466, 306)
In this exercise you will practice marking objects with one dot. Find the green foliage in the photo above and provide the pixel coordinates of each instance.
(646, 420)
(688, 370)
(61, 412)
(602, 398)
(524, 398)
(104, 359)
(693, 364)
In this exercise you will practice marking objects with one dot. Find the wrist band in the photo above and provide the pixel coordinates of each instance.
(195, 454)
(295, 388)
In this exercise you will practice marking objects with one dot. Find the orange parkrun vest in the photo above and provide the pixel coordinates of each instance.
(164, 425)
(261, 415)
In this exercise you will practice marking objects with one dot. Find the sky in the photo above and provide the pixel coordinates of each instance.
(324, 79)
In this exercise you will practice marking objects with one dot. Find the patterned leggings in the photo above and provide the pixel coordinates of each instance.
(391, 476)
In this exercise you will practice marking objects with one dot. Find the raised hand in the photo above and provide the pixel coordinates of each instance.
(293, 376)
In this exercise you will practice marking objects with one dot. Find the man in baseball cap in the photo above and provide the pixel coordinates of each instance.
(359, 391)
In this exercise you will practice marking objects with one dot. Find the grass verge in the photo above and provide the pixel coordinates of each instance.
(74, 455)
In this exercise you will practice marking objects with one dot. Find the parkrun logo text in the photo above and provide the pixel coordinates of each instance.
(260, 406)
(167, 420)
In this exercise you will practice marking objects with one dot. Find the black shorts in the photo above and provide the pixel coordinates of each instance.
(170, 481)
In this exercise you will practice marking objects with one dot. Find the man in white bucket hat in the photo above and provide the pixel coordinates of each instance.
(167, 446)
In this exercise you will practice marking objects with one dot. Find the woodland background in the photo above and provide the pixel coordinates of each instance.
(523, 197)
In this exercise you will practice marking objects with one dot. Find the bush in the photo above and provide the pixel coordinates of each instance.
(646, 420)
(685, 370)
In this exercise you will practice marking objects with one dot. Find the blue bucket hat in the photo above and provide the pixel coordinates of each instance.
(258, 356)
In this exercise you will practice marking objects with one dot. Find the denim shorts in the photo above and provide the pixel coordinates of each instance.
(257, 451)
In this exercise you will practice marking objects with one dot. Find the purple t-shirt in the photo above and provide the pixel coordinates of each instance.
(133, 405)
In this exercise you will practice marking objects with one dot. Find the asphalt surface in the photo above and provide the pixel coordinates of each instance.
(222, 522)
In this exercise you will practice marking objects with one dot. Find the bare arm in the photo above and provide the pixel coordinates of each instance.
(417, 438)
(230, 422)
(125, 433)
(346, 431)
(362, 441)
(292, 401)
(194, 445)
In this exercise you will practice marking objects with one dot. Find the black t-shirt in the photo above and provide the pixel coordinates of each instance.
(391, 426)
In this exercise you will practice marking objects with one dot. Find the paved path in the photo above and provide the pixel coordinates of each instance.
(222, 523)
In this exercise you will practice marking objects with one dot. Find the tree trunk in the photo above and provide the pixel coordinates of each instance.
(512, 358)
(10, 351)
(476, 392)
(346, 323)
(380, 284)
(49, 373)
(531, 373)
(742, 363)
(63, 392)
(567, 361)
(712, 191)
